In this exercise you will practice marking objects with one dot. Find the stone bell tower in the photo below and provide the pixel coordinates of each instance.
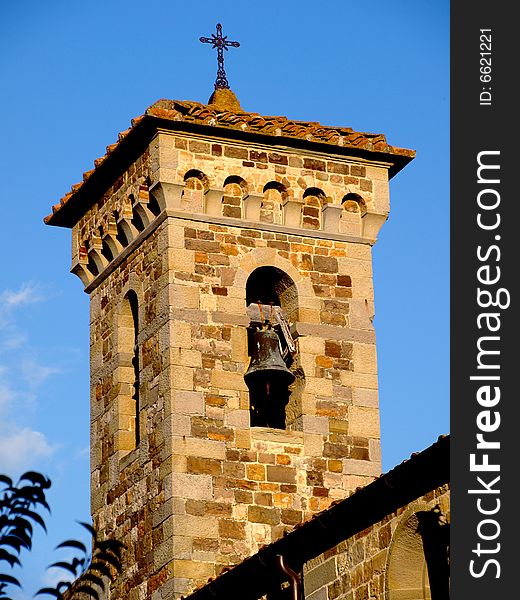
(212, 240)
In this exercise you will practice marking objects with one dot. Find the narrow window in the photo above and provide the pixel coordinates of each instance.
(129, 362)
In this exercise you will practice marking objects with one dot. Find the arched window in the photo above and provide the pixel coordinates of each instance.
(418, 558)
(129, 365)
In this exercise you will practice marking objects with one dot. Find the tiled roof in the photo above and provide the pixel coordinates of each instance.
(207, 115)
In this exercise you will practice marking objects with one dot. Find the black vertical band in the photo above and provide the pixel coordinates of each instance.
(485, 202)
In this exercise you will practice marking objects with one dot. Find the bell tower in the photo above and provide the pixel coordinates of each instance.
(227, 256)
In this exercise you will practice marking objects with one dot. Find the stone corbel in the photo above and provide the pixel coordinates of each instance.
(168, 195)
(79, 267)
(95, 253)
(252, 204)
(371, 224)
(140, 206)
(213, 201)
(331, 217)
(292, 212)
(110, 238)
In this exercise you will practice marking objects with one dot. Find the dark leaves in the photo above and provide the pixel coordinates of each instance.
(9, 579)
(73, 544)
(21, 505)
(91, 571)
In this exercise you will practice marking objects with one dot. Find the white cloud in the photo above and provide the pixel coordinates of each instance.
(35, 374)
(6, 396)
(23, 449)
(13, 341)
(27, 294)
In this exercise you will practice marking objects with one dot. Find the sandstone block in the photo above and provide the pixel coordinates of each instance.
(191, 569)
(363, 421)
(199, 487)
(281, 474)
(365, 397)
(229, 528)
(199, 447)
(194, 526)
(313, 424)
(261, 514)
(364, 356)
(361, 467)
(188, 402)
(228, 380)
(255, 471)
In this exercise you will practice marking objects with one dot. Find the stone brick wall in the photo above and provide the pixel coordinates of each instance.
(184, 228)
(384, 562)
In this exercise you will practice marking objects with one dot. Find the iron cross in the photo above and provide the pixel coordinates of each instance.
(221, 43)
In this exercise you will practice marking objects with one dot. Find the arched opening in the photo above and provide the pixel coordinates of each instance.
(106, 251)
(311, 213)
(235, 190)
(137, 220)
(274, 375)
(128, 335)
(121, 236)
(271, 207)
(91, 265)
(354, 203)
(195, 186)
(272, 285)
(354, 208)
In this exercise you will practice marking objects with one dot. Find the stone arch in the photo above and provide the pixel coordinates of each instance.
(109, 234)
(314, 199)
(270, 284)
(138, 218)
(85, 250)
(260, 257)
(271, 208)
(195, 179)
(406, 569)
(354, 203)
(235, 190)
(106, 250)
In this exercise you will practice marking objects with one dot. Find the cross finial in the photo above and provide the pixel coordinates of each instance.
(221, 43)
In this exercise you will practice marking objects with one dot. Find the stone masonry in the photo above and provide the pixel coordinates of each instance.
(180, 217)
(385, 561)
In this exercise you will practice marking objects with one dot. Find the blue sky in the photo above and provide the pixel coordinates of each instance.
(75, 73)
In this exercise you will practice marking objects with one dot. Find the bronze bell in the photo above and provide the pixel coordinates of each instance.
(267, 367)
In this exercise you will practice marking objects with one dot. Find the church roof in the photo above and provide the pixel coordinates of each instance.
(195, 117)
(422, 473)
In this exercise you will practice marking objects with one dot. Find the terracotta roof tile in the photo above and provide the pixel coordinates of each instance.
(210, 115)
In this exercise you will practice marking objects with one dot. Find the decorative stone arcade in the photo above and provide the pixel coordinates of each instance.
(197, 217)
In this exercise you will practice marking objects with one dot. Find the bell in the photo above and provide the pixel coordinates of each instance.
(267, 367)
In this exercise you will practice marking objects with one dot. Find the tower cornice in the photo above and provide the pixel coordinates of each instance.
(209, 120)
